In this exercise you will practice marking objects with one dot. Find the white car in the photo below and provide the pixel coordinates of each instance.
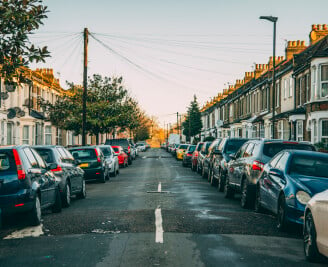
(141, 147)
(111, 160)
(315, 228)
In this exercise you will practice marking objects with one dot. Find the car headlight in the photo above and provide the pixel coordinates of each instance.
(303, 197)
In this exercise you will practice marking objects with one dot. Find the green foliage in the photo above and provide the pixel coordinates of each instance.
(109, 106)
(193, 120)
(322, 147)
(19, 18)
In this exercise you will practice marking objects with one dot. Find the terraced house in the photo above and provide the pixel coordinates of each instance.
(301, 97)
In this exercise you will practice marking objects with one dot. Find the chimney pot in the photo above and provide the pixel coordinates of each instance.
(319, 27)
(324, 27)
(314, 27)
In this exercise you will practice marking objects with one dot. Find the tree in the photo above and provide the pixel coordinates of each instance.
(193, 123)
(19, 19)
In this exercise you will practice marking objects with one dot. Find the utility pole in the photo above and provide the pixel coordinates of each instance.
(189, 127)
(178, 122)
(85, 86)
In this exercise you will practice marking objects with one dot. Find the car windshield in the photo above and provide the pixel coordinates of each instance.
(106, 151)
(116, 149)
(118, 142)
(183, 146)
(191, 148)
(233, 146)
(311, 165)
(7, 163)
(84, 153)
(271, 149)
(46, 154)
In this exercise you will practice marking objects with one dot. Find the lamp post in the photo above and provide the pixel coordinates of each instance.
(274, 20)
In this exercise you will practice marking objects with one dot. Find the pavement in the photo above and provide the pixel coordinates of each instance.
(155, 213)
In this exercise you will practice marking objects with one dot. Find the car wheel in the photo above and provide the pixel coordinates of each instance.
(245, 194)
(258, 206)
(83, 193)
(57, 207)
(221, 181)
(310, 239)
(281, 213)
(35, 215)
(228, 191)
(213, 180)
(66, 199)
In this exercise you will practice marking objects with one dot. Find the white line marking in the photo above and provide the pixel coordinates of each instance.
(34, 231)
(159, 187)
(159, 227)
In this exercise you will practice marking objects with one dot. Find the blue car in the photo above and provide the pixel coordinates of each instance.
(289, 181)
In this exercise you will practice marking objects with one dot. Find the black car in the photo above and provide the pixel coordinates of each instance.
(124, 143)
(188, 155)
(26, 183)
(69, 177)
(220, 164)
(92, 161)
(209, 159)
(201, 156)
(247, 165)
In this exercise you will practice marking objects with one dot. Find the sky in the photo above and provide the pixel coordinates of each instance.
(168, 51)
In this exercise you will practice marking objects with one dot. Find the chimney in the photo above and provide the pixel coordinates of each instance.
(318, 32)
(248, 76)
(239, 83)
(260, 69)
(278, 60)
(294, 47)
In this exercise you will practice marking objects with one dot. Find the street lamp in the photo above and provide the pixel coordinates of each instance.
(274, 20)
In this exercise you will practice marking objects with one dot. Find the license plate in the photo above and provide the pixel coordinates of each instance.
(84, 165)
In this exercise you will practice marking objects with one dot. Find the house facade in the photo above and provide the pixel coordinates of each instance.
(301, 97)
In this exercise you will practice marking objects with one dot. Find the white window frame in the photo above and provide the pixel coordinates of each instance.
(322, 82)
(281, 129)
(26, 135)
(47, 134)
(323, 137)
(291, 87)
(299, 130)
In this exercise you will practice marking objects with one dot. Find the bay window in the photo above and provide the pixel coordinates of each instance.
(324, 80)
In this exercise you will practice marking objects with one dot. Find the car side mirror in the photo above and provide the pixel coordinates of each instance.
(276, 172)
(232, 156)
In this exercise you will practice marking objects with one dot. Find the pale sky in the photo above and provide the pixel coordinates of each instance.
(167, 51)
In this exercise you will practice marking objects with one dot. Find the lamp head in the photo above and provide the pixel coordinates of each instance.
(269, 18)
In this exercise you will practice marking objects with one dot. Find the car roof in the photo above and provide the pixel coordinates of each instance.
(306, 152)
(81, 147)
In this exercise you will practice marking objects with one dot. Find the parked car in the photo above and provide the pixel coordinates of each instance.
(69, 176)
(289, 181)
(26, 183)
(188, 155)
(174, 149)
(201, 156)
(181, 151)
(315, 230)
(194, 158)
(121, 155)
(247, 165)
(141, 147)
(92, 161)
(222, 154)
(110, 160)
(209, 158)
(124, 143)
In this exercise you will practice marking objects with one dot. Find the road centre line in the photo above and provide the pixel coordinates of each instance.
(159, 226)
(159, 189)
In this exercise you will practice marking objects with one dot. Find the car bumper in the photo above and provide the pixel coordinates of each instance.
(21, 201)
(295, 215)
(91, 174)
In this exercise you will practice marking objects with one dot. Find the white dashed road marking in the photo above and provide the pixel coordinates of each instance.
(159, 226)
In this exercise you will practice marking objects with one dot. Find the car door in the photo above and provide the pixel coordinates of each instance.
(235, 166)
(37, 177)
(276, 183)
(47, 176)
(68, 168)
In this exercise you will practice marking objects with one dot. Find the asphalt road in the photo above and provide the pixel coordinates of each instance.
(155, 213)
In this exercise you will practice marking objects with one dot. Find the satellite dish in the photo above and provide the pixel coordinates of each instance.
(10, 87)
(11, 113)
(4, 95)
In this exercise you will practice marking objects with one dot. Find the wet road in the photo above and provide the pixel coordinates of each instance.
(155, 213)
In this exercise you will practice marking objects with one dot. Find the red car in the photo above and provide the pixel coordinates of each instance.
(122, 156)
(194, 158)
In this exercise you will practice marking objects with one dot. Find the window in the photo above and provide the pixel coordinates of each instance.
(2, 132)
(300, 83)
(291, 87)
(48, 135)
(324, 80)
(59, 137)
(26, 135)
(38, 158)
(280, 129)
(286, 88)
(31, 158)
(249, 151)
(308, 88)
(299, 130)
(315, 132)
(262, 134)
(313, 79)
(275, 159)
(9, 133)
(277, 94)
(281, 164)
(324, 131)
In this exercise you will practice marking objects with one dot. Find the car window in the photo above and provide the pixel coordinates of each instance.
(249, 151)
(39, 159)
(275, 159)
(116, 149)
(106, 151)
(241, 151)
(68, 154)
(84, 153)
(199, 147)
(191, 148)
(271, 149)
(282, 162)
(232, 146)
(64, 157)
(316, 166)
(46, 154)
(183, 146)
(30, 157)
(7, 163)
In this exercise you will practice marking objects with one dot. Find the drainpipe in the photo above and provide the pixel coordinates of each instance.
(294, 122)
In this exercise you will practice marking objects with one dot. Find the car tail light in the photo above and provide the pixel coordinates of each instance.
(97, 154)
(196, 153)
(58, 169)
(129, 149)
(189, 154)
(257, 165)
(20, 171)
